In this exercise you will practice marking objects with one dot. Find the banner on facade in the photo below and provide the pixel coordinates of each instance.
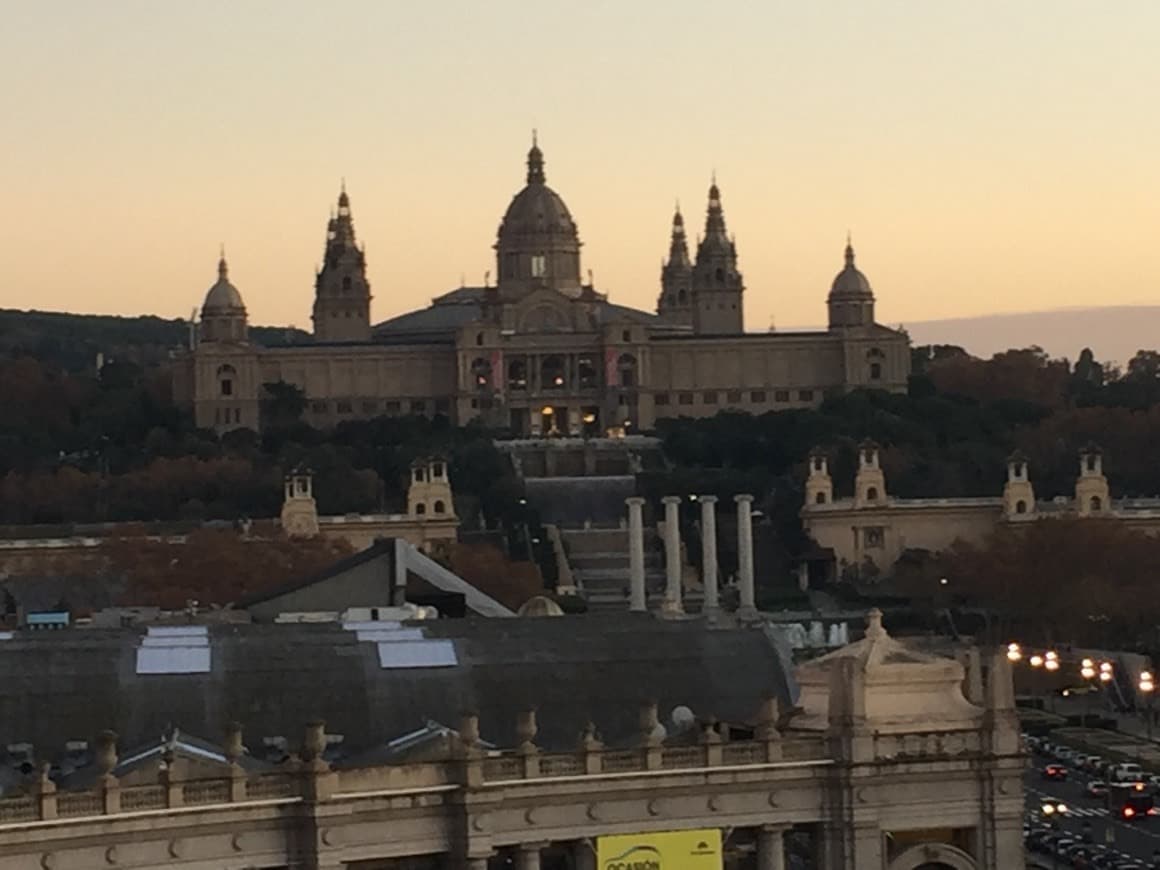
(611, 378)
(665, 850)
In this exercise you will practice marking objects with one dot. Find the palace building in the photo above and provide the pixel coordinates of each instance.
(541, 352)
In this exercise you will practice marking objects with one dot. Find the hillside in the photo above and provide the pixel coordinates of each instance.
(73, 341)
(1113, 333)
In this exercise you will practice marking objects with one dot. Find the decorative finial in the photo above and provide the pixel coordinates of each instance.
(874, 629)
(535, 162)
(223, 269)
(849, 249)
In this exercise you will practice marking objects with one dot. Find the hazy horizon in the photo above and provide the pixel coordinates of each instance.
(986, 157)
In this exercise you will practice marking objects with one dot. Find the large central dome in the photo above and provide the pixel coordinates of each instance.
(537, 244)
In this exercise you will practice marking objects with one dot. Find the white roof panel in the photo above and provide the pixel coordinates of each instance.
(417, 654)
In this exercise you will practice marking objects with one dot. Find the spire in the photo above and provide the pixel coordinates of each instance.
(535, 162)
(343, 199)
(678, 245)
(715, 216)
(223, 268)
(849, 251)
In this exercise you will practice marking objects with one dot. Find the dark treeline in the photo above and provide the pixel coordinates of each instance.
(80, 447)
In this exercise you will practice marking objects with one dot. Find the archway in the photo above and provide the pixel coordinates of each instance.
(933, 856)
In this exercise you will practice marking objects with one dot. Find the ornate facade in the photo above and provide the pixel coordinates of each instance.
(873, 528)
(542, 352)
(873, 756)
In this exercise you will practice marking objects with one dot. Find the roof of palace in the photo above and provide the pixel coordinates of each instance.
(463, 306)
(373, 682)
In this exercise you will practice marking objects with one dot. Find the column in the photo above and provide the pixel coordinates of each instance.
(709, 552)
(528, 856)
(771, 848)
(745, 554)
(638, 599)
(672, 554)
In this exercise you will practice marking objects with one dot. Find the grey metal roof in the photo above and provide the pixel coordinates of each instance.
(462, 306)
(273, 679)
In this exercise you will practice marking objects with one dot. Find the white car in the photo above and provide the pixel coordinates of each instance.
(1128, 772)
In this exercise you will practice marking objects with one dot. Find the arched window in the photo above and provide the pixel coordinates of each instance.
(481, 373)
(819, 464)
(518, 374)
(586, 372)
(820, 498)
(626, 368)
(440, 508)
(1097, 504)
(1021, 507)
(875, 371)
(346, 282)
(720, 275)
(226, 375)
(682, 297)
(872, 494)
(552, 373)
(1091, 461)
(420, 508)
(478, 339)
(419, 475)
(437, 471)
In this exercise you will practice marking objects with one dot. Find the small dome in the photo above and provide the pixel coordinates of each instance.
(540, 605)
(223, 296)
(850, 283)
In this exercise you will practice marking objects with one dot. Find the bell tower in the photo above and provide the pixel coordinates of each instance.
(299, 510)
(1092, 497)
(675, 304)
(1018, 494)
(819, 484)
(342, 295)
(717, 285)
(869, 482)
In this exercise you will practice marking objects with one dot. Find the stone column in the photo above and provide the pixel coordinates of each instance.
(672, 554)
(748, 606)
(528, 856)
(638, 598)
(709, 553)
(771, 848)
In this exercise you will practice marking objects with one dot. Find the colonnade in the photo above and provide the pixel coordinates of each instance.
(673, 604)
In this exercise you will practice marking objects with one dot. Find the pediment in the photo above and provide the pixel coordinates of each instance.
(545, 311)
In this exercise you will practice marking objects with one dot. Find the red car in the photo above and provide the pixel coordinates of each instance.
(1055, 771)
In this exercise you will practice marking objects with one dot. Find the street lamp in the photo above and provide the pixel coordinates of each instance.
(1014, 652)
(1036, 661)
(1051, 660)
(1147, 686)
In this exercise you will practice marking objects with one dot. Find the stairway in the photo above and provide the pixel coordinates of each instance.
(599, 562)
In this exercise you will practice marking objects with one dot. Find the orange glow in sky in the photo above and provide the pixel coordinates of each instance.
(986, 155)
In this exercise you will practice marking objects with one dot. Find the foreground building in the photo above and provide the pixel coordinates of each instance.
(872, 529)
(583, 738)
(541, 351)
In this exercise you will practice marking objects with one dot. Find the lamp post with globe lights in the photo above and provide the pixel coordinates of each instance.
(1147, 686)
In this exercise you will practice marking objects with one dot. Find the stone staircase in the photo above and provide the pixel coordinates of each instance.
(599, 561)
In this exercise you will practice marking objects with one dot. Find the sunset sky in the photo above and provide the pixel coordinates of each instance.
(987, 155)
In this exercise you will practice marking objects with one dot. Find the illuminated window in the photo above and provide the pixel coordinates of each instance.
(539, 266)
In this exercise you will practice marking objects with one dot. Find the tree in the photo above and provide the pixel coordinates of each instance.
(1082, 581)
(282, 404)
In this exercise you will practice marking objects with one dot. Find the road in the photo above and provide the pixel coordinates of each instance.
(1138, 839)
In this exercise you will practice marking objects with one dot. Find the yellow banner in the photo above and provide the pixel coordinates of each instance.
(667, 850)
